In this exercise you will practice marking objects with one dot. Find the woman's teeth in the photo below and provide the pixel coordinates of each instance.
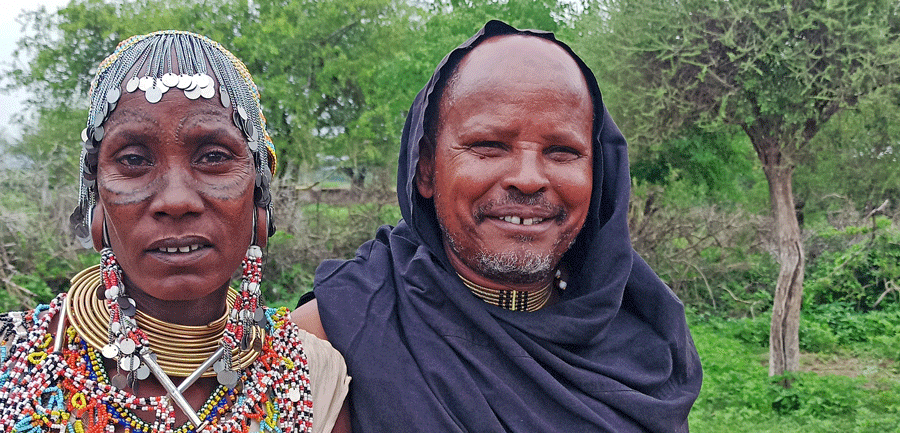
(522, 221)
(186, 249)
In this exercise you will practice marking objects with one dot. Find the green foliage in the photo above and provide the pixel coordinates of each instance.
(37, 252)
(738, 395)
(838, 324)
(311, 230)
(56, 59)
(710, 252)
(864, 274)
(783, 67)
(855, 158)
(720, 165)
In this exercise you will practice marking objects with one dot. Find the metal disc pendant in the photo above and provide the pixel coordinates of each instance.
(208, 92)
(132, 84)
(127, 346)
(142, 372)
(119, 381)
(112, 96)
(89, 147)
(146, 83)
(192, 93)
(253, 145)
(98, 119)
(219, 366)
(170, 79)
(259, 315)
(98, 133)
(153, 95)
(247, 340)
(294, 395)
(242, 113)
(183, 81)
(203, 80)
(109, 351)
(194, 82)
(228, 378)
(223, 96)
(125, 305)
(236, 118)
(84, 135)
(129, 363)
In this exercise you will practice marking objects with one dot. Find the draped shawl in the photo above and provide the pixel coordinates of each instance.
(613, 355)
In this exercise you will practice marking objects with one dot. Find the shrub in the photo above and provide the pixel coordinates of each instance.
(865, 274)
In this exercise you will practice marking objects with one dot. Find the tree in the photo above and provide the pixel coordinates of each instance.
(856, 158)
(778, 70)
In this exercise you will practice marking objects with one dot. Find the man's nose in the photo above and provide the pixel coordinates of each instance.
(527, 173)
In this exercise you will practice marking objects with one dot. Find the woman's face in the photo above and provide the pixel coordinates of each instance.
(175, 182)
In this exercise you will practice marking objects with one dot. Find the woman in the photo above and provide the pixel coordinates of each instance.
(175, 180)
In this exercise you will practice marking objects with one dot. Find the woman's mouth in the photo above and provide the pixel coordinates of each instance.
(182, 249)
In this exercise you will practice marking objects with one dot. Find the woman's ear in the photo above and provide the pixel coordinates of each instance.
(97, 226)
(425, 170)
(262, 226)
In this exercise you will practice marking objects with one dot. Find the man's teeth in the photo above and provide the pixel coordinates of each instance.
(186, 249)
(522, 221)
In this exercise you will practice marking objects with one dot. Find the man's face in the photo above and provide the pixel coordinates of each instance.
(511, 171)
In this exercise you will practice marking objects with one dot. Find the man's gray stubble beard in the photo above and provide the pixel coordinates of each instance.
(525, 267)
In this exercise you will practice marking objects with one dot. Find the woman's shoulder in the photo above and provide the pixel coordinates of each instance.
(16, 325)
(327, 373)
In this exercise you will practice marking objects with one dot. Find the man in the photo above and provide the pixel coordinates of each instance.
(509, 297)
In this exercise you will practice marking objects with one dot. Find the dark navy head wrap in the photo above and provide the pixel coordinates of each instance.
(613, 355)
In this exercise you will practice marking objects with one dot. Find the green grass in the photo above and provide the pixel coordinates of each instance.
(738, 395)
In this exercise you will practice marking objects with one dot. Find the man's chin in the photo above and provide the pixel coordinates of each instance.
(515, 269)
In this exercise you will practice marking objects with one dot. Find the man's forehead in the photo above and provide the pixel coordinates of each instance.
(503, 62)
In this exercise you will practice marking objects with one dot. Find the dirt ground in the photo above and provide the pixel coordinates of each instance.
(850, 366)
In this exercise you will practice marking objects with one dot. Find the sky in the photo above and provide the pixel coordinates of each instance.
(10, 32)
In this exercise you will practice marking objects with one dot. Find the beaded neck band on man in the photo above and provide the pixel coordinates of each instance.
(156, 64)
(516, 300)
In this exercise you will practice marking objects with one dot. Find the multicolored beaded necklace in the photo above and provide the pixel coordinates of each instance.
(69, 391)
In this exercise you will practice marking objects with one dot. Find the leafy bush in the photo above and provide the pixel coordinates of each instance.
(864, 275)
(739, 396)
(713, 256)
(316, 225)
(38, 253)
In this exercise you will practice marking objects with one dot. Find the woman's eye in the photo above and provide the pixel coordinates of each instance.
(214, 157)
(133, 160)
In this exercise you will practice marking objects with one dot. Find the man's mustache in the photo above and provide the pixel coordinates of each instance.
(556, 212)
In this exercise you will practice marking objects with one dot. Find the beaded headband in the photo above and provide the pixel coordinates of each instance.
(165, 61)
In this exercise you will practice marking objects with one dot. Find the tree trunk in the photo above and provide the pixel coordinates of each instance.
(784, 340)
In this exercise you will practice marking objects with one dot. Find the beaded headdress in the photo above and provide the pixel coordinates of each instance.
(165, 61)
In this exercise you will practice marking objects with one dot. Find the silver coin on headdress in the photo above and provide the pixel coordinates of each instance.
(132, 84)
(170, 79)
(145, 83)
(184, 81)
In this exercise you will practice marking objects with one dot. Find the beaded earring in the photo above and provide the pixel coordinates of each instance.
(126, 341)
(247, 316)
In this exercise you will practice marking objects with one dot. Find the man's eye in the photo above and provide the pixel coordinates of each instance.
(563, 153)
(133, 160)
(488, 148)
